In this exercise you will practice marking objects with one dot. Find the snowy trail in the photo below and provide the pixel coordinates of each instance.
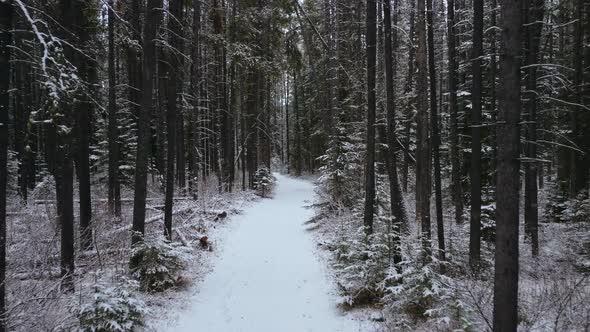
(267, 278)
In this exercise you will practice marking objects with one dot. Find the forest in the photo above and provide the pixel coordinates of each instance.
(351, 165)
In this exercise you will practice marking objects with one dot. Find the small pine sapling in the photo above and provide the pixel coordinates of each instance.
(113, 309)
(157, 263)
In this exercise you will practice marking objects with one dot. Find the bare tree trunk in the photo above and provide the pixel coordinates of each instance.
(508, 136)
(195, 157)
(113, 130)
(579, 164)
(475, 221)
(152, 23)
(453, 110)
(493, 97)
(174, 88)
(533, 18)
(398, 210)
(410, 108)
(6, 19)
(435, 133)
(371, 110)
(423, 151)
(287, 131)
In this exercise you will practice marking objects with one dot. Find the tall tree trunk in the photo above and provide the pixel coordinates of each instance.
(287, 131)
(64, 172)
(397, 204)
(62, 122)
(369, 210)
(298, 151)
(174, 88)
(453, 110)
(508, 136)
(410, 108)
(134, 60)
(423, 149)
(152, 23)
(21, 109)
(225, 118)
(114, 199)
(476, 93)
(579, 169)
(196, 87)
(83, 108)
(493, 96)
(533, 18)
(435, 132)
(6, 13)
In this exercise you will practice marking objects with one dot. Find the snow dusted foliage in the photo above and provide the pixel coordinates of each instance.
(342, 168)
(563, 209)
(420, 291)
(112, 309)
(264, 182)
(362, 263)
(157, 263)
(60, 76)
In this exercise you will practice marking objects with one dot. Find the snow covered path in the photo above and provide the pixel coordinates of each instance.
(268, 278)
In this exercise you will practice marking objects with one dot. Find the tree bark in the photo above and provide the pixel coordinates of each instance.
(113, 130)
(195, 152)
(410, 108)
(6, 19)
(457, 189)
(174, 88)
(508, 136)
(533, 18)
(476, 93)
(423, 151)
(369, 209)
(152, 23)
(435, 133)
(396, 199)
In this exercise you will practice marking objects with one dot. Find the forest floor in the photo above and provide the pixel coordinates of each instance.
(268, 275)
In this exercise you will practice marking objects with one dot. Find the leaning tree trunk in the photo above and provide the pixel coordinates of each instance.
(508, 137)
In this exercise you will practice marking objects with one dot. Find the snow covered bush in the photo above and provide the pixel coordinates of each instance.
(113, 309)
(419, 290)
(362, 261)
(342, 168)
(156, 263)
(563, 209)
(263, 182)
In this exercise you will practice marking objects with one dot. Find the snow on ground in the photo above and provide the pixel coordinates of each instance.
(267, 276)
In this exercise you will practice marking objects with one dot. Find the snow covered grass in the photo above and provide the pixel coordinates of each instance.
(36, 302)
(554, 287)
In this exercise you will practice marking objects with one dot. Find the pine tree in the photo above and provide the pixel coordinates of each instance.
(508, 137)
